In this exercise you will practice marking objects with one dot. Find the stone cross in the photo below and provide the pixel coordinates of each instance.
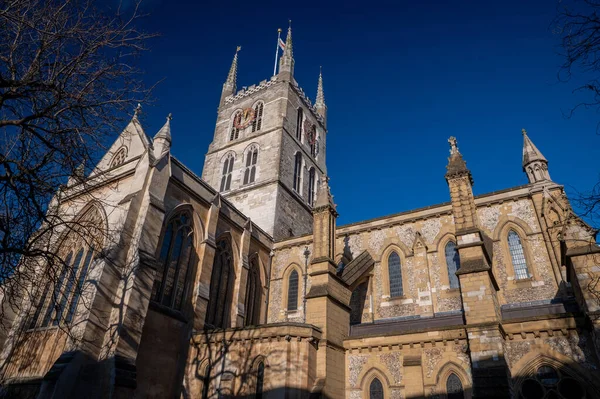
(453, 147)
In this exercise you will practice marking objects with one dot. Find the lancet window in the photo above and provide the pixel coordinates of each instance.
(299, 120)
(311, 186)
(253, 294)
(258, 115)
(60, 298)
(251, 159)
(226, 175)
(376, 389)
(517, 255)
(298, 173)
(452, 263)
(176, 256)
(395, 275)
(292, 299)
(221, 287)
(235, 121)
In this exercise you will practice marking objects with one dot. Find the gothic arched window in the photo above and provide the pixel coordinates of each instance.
(176, 255)
(251, 159)
(395, 275)
(61, 296)
(311, 186)
(258, 115)
(260, 379)
(299, 120)
(226, 175)
(292, 297)
(298, 173)
(376, 389)
(313, 142)
(221, 287)
(517, 255)
(452, 263)
(454, 387)
(119, 157)
(253, 294)
(235, 132)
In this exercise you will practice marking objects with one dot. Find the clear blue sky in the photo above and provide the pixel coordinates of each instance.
(399, 77)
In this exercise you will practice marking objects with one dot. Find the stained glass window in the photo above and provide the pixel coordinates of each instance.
(293, 291)
(454, 387)
(221, 287)
(518, 255)
(175, 256)
(452, 263)
(395, 274)
(376, 389)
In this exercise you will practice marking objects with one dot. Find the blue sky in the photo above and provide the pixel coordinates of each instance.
(399, 77)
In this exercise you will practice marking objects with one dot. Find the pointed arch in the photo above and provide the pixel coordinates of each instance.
(250, 161)
(393, 274)
(222, 282)
(371, 374)
(451, 371)
(452, 263)
(226, 174)
(293, 285)
(234, 132)
(298, 168)
(258, 108)
(81, 241)
(312, 185)
(254, 293)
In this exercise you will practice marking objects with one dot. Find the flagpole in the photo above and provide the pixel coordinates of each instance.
(276, 51)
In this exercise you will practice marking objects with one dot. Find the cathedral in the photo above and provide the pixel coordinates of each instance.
(238, 283)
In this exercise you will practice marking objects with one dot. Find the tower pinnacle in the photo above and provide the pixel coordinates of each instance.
(457, 166)
(230, 85)
(320, 101)
(535, 164)
(286, 62)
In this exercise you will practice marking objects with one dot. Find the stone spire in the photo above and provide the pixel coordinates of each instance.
(320, 102)
(162, 140)
(286, 62)
(230, 85)
(535, 164)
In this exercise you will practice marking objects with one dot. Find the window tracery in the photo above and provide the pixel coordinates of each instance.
(235, 121)
(227, 173)
(119, 158)
(61, 296)
(548, 382)
(251, 160)
(258, 114)
(176, 255)
(221, 286)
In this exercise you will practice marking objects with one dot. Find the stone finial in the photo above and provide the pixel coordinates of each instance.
(165, 131)
(137, 111)
(288, 52)
(324, 197)
(286, 62)
(457, 166)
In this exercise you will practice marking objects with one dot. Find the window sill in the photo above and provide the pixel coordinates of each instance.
(175, 314)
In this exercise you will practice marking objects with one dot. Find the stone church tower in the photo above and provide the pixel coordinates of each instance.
(268, 150)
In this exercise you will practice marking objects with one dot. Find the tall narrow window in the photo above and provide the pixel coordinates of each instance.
(61, 295)
(376, 389)
(395, 274)
(221, 287)
(258, 114)
(260, 379)
(227, 169)
(253, 294)
(454, 387)
(299, 120)
(311, 186)
(313, 142)
(235, 132)
(251, 159)
(175, 255)
(452, 263)
(292, 299)
(298, 173)
(518, 255)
